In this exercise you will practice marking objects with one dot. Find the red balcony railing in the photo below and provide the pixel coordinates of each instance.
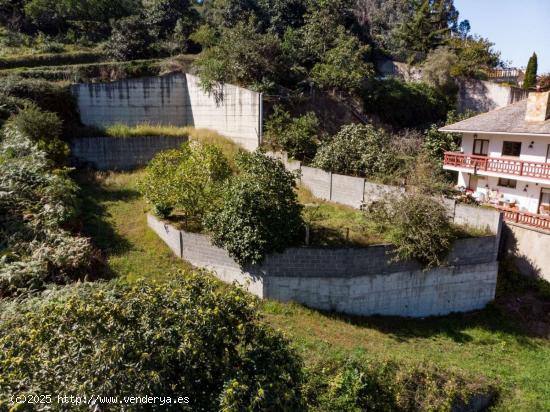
(525, 218)
(498, 165)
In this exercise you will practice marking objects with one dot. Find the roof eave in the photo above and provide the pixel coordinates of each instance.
(493, 132)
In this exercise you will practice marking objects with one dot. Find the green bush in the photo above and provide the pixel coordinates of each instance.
(44, 129)
(260, 213)
(417, 226)
(187, 337)
(402, 104)
(359, 150)
(297, 136)
(46, 95)
(187, 180)
(130, 39)
(356, 386)
(35, 248)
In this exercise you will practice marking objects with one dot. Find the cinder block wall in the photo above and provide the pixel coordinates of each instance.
(174, 99)
(358, 281)
(116, 153)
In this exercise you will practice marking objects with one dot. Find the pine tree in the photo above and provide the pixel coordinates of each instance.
(530, 80)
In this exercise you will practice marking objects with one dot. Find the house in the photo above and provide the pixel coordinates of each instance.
(504, 159)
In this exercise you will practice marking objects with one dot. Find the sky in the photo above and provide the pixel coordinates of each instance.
(518, 28)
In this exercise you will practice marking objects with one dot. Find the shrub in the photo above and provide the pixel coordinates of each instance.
(387, 386)
(403, 104)
(359, 150)
(50, 59)
(437, 70)
(188, 180)
(260, 212)
(47, 96)
(37, 203)
(416, 225)
(44, 129)
(298, 136)
(187, 337)
(130, 39)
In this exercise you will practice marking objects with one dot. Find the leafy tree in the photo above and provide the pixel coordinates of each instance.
(475, 56)
(187, 180)
(186, 337)
(298, 136)
(163, 16)
(260, 212)
(130, 39)
(359, 150)
(436, 143)
(343, 67)
(416, 225)
(530, 80)
(437, 70)
(242, 56)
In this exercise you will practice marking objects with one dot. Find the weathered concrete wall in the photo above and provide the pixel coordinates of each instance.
(483, 96)
(529, 248)
(356, 191)
(353, 280)
(174, 99)
(116, 153)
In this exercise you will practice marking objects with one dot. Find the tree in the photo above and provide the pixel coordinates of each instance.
(242, 56)
(343, 67)
(163, 15)
(359, 150)
(260, 213)
(530, 80)
(188, 180)
(475, 56)
(130, 39)
(437, 70)
(429, 28)
(298, 136)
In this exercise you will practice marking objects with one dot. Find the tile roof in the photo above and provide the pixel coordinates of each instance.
(509, 119)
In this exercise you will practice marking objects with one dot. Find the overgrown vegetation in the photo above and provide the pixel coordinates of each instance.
(187, 337)
(417, 226)
(37, 204)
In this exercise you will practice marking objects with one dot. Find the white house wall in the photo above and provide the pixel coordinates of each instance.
(535, 154)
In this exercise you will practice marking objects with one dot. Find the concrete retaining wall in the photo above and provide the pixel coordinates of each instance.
(355, 191)
(358, 281)
(174, 99)
(116, 153)
(529, 248)
(483, 96)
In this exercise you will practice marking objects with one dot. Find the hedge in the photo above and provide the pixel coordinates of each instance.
(50, 59)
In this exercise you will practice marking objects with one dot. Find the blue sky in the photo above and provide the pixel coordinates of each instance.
(518, 28)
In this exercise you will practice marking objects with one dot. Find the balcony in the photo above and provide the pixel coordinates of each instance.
(510, 167)
(525, 218)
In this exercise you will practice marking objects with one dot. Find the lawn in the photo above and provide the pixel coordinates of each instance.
(485, 343)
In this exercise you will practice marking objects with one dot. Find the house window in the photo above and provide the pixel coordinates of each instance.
(511, 183)
(481, 147)
(511, 149)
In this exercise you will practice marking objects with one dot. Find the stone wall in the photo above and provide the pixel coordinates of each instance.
(529, 248)
(117, 153)
(358, 281)
(175, 99)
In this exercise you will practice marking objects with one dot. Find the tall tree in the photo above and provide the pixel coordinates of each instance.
(530, 80)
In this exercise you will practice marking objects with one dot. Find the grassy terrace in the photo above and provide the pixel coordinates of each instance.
(488, 343)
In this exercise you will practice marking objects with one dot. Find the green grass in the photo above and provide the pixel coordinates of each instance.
(487, 343)
(115, 218)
